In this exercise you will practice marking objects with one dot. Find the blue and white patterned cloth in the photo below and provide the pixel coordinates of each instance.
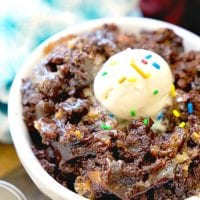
(24, 24)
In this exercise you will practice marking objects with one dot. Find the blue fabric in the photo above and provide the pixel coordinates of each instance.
(24, 24)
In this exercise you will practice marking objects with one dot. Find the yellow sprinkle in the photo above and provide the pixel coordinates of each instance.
(92, 114)
(131, 79)
(113, 62)
(59, 114)
(176, 113)
(182, 125)
(122, 79)
(195, 135)
(78, 134)
(173, 90)
(139, 70)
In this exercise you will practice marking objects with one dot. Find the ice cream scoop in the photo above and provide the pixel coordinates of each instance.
(134, 83)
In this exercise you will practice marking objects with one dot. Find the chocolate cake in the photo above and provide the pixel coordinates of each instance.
(86, 149)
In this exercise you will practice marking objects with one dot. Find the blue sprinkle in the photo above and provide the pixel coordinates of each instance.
(156, 65)
(190, 108)
(148, 56)
(160, 116)
(111, 115)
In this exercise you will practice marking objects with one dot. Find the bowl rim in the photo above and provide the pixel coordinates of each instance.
(12, 189)
(47, 184)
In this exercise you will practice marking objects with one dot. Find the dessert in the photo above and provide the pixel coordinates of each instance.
(132, 79)
(91, 151)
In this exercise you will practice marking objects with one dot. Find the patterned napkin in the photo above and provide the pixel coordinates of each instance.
(24, 24)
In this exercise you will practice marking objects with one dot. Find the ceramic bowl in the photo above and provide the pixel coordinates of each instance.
(21, 139)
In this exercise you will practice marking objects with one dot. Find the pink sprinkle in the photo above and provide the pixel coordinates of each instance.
(144, 61)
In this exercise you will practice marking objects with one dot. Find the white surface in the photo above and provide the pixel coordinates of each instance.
(18, 129)
(119, 93)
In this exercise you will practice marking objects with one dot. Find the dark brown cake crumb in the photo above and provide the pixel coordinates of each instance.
(130, 162)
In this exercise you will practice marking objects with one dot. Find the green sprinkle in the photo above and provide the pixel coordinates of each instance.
(105, 127)
(132, 113)
(104, 73)
(155, 92)
(146, 121)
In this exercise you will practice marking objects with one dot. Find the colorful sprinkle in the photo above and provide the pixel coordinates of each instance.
(190, 108)
(132, 113)
(121, 80)
(146, 121)
(182, 125)
(148, 56)
(131, 79)
(105, 127)
(144, 61)
(141, 72)
(93, 114)
(59, 114)
(176, 113)
(113, 62)
(160, 116)
(173, 90)
(78, 134)
(111, 115)
(156, 65)
(155, 92)
(104, 73)
(195, 136)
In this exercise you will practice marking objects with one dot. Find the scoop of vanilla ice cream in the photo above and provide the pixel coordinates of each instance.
(134, 83)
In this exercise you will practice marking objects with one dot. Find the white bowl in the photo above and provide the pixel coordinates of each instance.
(20, 136)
